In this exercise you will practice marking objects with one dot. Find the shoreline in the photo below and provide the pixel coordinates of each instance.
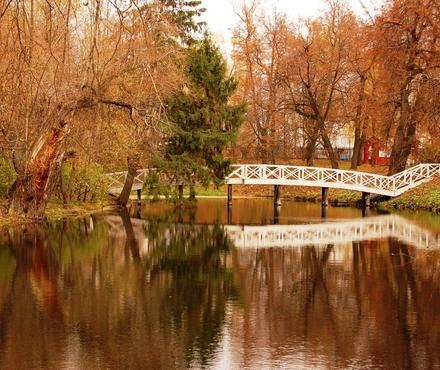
(423, 198)
(56, 212)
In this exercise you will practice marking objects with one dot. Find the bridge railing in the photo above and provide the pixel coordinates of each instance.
(415, 175)
(117, 179)
(266, 174)
(314, 176)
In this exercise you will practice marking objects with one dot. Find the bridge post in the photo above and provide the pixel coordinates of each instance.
(229, 195)
(276, 215)
(229, 215)
(324, 197)
(180, 191)
(277, 195)
(366, 200)
(139, 194)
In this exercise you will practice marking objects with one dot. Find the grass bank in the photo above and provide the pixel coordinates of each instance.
(57, 211)
(424, 197)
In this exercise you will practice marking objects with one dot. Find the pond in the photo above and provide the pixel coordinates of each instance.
(160, 288)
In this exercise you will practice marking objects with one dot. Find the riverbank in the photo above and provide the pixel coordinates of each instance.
(57, 211)
(424, 197)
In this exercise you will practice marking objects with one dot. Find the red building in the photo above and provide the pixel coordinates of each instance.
(373, 154)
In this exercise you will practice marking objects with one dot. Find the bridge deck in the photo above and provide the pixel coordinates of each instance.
(332, 178)
(262, 174)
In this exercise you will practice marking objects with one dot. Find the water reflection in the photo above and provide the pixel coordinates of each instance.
(92, 299)
(163, 292)
(318, 234)
(377, 311)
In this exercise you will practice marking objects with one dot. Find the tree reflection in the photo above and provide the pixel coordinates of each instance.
(192, 259)
(370, 303)
(154, 296)
(154, 292)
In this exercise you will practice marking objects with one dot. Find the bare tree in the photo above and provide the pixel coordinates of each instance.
(62, 61)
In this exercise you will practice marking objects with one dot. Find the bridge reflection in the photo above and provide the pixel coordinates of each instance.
(317, 234)
(369, 228)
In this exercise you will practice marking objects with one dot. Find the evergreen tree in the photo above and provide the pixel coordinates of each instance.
(205, 121)
(184, 14)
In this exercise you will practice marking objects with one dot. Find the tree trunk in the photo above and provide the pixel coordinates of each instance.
(361, 150)
(133, 166)
(30, 193)
(192, 193)
(66, 185)
(405, 134)
(357, 147)
(402, 146)
(263, 146)
(310, 147)
(65, 190)
(309, 151)
(329, 149)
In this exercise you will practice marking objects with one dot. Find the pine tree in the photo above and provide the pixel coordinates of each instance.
(184, 14)
(205, 121)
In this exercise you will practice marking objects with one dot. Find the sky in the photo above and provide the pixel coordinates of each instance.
(221, 18)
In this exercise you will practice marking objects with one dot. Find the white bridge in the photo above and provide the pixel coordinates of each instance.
(330, 178)
(117, 179)
(317, 234)
(262, 174)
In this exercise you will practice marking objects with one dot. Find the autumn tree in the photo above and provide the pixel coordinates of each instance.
(62, 61)
(358, 89)
(259, 49)
(408, 41)
(316, 75)
(296, 76)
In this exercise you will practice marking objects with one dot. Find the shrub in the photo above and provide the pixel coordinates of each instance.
(81, 182)
(430, 153)
(7, 175)
(154, 187)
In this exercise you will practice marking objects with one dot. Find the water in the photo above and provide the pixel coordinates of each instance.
(175, 289)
